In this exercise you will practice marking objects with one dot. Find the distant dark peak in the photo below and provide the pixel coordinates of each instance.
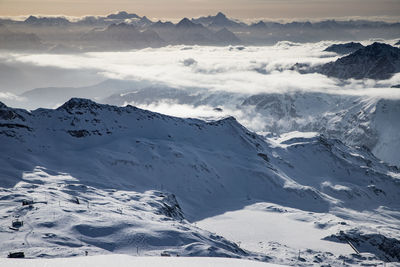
(344, 48)
(186, 23)
(228, 120)
(398, 43)
(2, 105)
(121, 26)
(163, 24)
(377, 61)
(145, 19)
(220, 20)
(31, 19)
(380, 46)
(7, 113)
(220, 15)
(260, 24)
(122, 15)
(80, 104)
(379, 49)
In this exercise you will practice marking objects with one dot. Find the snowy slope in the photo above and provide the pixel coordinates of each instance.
(124, 260)
(355, 120)
(140, 177)
(358, 121)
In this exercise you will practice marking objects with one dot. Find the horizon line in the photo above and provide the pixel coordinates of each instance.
(71, 18)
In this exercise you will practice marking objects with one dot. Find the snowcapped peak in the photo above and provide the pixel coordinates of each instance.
(79, 104)
(229, 119)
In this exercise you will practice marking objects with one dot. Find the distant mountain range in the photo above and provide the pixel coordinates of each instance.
(218, 29)
(122, 36)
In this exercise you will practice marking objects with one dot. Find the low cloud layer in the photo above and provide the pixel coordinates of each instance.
(249, 117)
(246, 70)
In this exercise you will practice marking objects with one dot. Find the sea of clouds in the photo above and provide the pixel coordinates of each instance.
(236, 70)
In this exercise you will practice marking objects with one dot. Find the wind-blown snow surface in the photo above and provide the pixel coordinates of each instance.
(125, 180)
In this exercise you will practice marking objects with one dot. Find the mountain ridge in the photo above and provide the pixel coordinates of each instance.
(376, 61)
(130, 164)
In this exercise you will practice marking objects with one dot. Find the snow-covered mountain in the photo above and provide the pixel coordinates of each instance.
(121, 179)
(345, 48)
(376, 61)
(355, 120)
(359, 121)
(47, 21)
(220, 20)
(190, 33)
(122, 15)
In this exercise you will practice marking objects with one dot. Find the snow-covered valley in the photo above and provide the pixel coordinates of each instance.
(107, 179)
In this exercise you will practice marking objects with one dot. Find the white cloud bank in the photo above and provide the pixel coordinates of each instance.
(246, 70)
(249, 117)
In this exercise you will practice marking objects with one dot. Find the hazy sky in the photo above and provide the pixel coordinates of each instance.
(192, 8)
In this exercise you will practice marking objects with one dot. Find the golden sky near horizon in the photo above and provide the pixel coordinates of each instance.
(192, 8)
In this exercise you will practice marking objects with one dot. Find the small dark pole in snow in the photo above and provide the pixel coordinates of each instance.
(137, 250)
(299, 254)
